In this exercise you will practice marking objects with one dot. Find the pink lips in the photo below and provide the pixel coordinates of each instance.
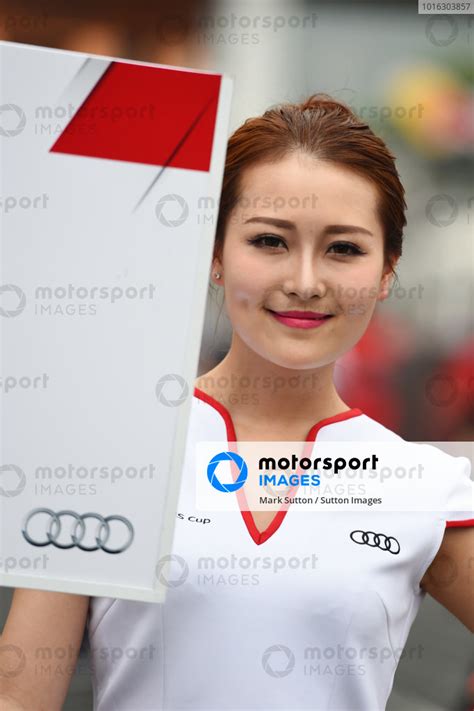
(301, 314)
(300, 319)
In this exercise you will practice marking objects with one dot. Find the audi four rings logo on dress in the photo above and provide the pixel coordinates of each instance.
(54, 529)
(376, 540)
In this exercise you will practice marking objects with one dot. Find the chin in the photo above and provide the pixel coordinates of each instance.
(299, 361)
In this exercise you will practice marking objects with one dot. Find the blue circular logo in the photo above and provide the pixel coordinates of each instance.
(226, 457)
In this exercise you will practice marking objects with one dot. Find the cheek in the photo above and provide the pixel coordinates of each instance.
(357, 293)
(247, 285)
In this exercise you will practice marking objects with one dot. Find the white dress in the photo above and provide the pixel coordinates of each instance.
(299, 616)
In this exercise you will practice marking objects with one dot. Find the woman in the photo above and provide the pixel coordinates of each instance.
(270, 610)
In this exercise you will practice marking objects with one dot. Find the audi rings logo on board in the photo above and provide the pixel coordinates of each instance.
(227, 457)
(75, 533)
(376, 540)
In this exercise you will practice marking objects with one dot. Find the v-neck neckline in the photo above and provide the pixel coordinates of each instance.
(257, 536)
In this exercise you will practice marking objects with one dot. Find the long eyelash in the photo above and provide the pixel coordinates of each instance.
(258, 241)
(356, 250)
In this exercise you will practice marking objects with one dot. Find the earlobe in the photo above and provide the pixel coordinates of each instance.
(216, 272)
(385, 285)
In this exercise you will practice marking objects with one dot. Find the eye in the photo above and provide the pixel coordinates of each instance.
(346, 249)
(259, 241)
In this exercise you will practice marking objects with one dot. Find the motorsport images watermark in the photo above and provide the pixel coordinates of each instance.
(50, 662)
(63, 300)
(227, 570)
(8, 383)
(21, 203)
(443, 30)
(171, 390)
(68, 478)
(359, 300)
(12, 120)
(445, 571)
(444, 390)
(388, 112)
(249, 390)
(443, 210)
(230, 28)
(397, 476)
(52, 119)
(173, 210)
(378, 113)
(12, 661)
(279, 660)
(24, 22)
(12, 480)
(11, 562)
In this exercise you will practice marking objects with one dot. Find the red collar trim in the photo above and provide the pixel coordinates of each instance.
(260, 537)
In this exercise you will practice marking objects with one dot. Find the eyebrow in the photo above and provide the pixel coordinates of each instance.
(329, 229)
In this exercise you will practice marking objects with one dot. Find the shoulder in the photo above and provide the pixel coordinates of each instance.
(441, 477)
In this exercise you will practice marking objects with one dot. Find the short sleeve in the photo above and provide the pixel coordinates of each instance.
(460, 494)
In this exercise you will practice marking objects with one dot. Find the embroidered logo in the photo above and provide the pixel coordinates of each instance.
(376, 540)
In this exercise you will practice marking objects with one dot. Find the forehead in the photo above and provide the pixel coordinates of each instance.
(303, 188)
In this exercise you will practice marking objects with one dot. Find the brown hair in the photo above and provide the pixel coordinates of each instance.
(325, 129)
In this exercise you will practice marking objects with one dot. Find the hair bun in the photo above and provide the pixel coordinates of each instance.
(321, 100)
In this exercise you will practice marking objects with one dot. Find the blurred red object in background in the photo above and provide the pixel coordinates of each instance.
(449, 402)
(369, 375)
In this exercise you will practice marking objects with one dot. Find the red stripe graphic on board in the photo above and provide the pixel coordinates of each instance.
(140, 114)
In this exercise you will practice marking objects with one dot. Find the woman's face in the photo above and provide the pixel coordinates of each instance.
(304, 236)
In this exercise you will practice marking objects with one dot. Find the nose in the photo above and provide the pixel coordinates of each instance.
(304, 278)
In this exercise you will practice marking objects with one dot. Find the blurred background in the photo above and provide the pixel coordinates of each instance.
(411, 77)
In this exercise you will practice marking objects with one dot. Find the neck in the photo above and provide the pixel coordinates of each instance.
(255, 390)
